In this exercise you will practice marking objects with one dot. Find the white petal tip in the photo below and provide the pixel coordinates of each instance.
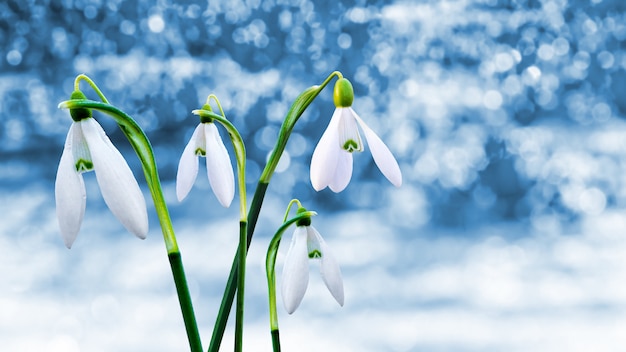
(291, 302)
(140, 229)
(136, 221)
(226, 204)
(337, 293)
(62, 105)
(69, 238)
(317, 188)
(180, 196)
(337, 189)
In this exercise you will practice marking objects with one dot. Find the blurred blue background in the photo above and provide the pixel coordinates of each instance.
(506, 117)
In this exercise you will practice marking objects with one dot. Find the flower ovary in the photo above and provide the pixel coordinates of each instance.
(343, 93)
(304, 222)
(78, 114)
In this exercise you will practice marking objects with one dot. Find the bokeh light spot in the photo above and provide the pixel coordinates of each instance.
(545, 52)
(90, 12)
(156, 23)
(561, 46)
(344, 40)
(492, 100)
(127, 27)
(601, 112)
(592, 201)
(606, 59)
(14, 57)
(504, 62)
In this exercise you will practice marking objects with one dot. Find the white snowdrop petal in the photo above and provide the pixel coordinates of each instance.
(325, 155)
(219, 168)
(188, 165)
(329, 268)
(343, 172)
(295, 278)
(383, 158)
(117, 183)
(69, 190)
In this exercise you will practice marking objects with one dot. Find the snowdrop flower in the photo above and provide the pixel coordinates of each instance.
(87, 148)
(331, 165)
(308, 244)
(206, 141)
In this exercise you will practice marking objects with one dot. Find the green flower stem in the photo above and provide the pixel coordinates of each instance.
(92, 84)
(143, 148)
(275, 340)
(242, 253)
(229, 290)
(270, 264)
(186, 306)
(296, 110)
(242, 249)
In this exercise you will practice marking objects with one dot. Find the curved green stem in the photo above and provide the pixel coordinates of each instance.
(291, 203)
(143, 148)
(83, 77)
(296, 110)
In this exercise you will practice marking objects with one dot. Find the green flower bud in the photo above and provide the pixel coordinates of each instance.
(343, 94)
(304, 221)
(204, 118)
(79, 113)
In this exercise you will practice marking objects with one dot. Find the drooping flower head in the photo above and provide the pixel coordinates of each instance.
(87, 148)
(206, 142)
(307, 244)
(331, 165)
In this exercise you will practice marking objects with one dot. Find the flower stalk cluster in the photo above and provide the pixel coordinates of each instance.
(87, 148)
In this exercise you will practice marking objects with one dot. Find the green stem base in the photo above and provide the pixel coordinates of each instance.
(275, 341)
(231, 284)
(182, 289)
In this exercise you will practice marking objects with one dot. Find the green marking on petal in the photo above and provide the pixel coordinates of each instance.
(350, 145)
(83, 165)
(315, 254)
(201, 152)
